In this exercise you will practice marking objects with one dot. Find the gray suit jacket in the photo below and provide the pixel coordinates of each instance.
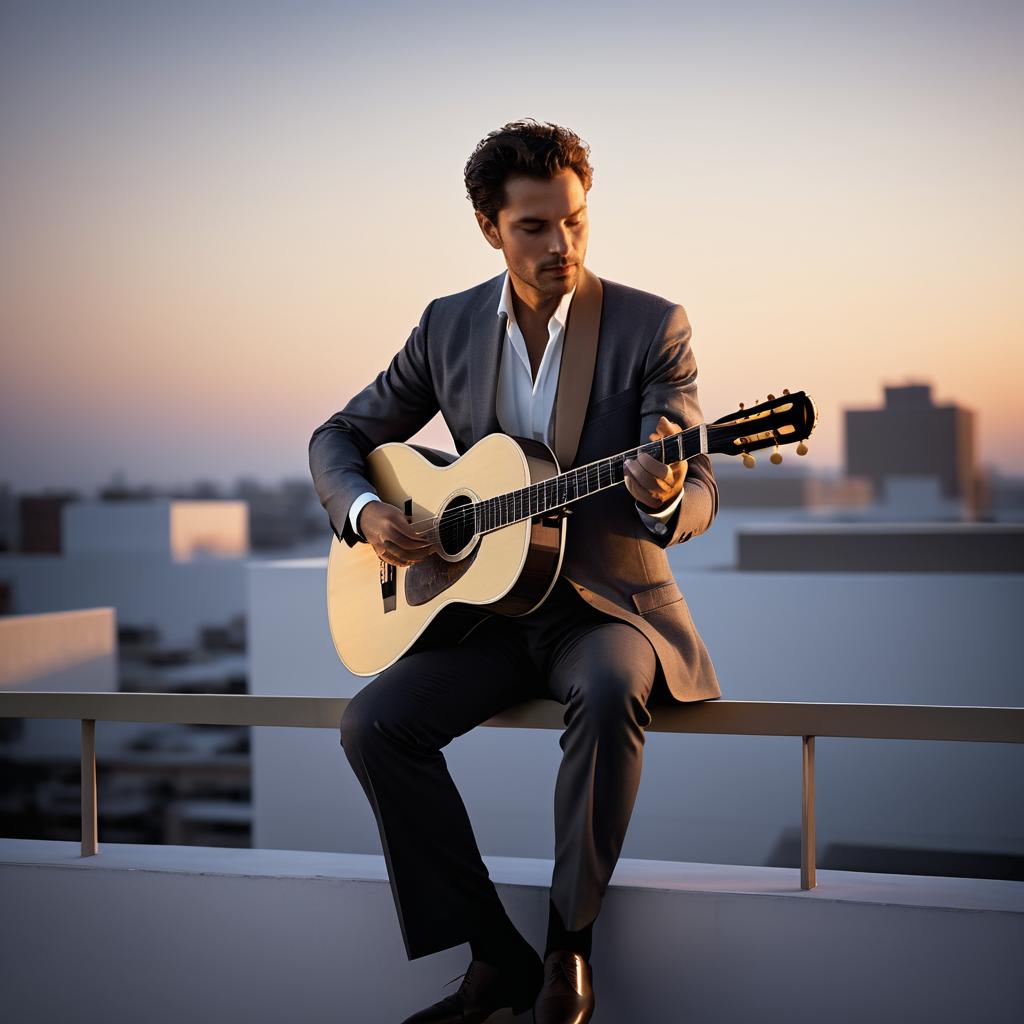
(645, 368)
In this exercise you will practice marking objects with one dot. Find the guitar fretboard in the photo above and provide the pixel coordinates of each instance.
(559, 491)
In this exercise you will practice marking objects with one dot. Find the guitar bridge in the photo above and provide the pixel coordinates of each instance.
(389, 574)
(388, 585)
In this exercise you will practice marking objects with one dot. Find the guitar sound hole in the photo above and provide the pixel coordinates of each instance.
(455, 530)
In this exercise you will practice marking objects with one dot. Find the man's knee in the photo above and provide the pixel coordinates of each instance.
(358, 722)
(611, 696)
(615, 685)
(379, 713)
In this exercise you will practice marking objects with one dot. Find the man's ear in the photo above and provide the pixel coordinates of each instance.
(490, 232)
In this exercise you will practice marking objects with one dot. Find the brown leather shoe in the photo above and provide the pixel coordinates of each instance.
(484, 990)
(567, 996)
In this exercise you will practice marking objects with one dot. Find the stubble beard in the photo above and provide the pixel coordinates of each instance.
(557, 286)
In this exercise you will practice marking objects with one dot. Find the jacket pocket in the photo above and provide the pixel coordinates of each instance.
(657, 597)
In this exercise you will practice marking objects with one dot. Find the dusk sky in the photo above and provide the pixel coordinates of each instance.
(220, 221)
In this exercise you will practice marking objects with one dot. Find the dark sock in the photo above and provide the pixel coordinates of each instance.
(500, 944)
(559, 937)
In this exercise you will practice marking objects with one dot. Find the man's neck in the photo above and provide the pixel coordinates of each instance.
(532, 309)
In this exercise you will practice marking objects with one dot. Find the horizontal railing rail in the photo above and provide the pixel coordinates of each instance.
(716, 717)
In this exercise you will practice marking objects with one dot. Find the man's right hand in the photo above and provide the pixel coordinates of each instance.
(387, 529)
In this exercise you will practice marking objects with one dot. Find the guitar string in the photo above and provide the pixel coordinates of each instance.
(507, 502)
(504, 510)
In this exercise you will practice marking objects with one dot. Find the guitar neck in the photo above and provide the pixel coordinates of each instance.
(558, 491)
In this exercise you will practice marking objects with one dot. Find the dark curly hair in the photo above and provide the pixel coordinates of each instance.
(522, 148)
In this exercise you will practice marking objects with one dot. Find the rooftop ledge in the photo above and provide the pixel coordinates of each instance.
(653, 875)
(171, 933)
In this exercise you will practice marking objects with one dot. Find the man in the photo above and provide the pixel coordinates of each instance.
(613, 631)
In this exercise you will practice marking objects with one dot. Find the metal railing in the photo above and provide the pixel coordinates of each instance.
(717, 717)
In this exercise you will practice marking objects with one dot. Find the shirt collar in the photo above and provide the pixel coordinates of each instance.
(561, 313)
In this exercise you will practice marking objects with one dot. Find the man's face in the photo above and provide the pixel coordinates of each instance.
(542, 229)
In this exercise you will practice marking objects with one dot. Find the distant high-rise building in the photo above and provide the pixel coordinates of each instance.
(911, 436)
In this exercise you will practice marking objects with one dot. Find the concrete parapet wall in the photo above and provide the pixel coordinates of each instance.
(166, 934)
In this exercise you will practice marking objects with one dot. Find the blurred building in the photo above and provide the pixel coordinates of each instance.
(787, 487)
(919, 456)
(177, 530)
(161, 582)
(173, 570)
(284, 516)
(160, 782)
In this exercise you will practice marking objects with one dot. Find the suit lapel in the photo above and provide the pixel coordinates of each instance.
(487, 333)
(576, 370)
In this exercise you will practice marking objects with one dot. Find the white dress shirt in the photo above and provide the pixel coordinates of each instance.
(525, 406)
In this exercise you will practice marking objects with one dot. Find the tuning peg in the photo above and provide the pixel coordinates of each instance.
(785, 391)
(801, 449)
(742, 406)
(748, 460)
(771, 398)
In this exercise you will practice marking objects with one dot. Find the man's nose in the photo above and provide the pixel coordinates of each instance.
(560, 242)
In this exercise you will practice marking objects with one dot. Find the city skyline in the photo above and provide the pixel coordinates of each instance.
(221, 225)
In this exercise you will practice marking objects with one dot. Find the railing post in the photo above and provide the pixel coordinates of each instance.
(89, 801)
(807, 879)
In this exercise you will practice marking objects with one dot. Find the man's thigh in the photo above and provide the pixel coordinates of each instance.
(430, 696)
(603, 663)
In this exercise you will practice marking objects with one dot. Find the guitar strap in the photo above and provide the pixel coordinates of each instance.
(576, 371)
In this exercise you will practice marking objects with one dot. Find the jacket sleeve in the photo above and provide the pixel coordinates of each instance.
(391, 408)
(670, 389)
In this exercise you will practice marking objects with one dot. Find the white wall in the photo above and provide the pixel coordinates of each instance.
(146, 590)
(176, 529)
(170, 934)
(59, 651)
(885, 638)
(128, 527)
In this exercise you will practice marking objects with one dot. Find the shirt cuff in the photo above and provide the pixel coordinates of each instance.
(358, 505)
(657, 522)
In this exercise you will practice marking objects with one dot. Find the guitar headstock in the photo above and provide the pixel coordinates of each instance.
(786, 419)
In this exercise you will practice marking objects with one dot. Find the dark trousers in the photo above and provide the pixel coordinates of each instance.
(393, 731)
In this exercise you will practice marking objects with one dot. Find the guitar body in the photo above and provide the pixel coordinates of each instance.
(377, 612)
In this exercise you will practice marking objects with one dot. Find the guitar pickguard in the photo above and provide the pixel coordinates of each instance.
(434, 575)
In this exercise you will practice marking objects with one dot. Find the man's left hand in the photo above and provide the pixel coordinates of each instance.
(652, 483)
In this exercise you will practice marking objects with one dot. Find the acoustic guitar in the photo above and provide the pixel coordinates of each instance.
(497, 516)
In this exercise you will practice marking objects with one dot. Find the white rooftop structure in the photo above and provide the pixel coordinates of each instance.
(181, 530)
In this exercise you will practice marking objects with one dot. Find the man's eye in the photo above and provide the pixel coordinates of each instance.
(531, 231)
